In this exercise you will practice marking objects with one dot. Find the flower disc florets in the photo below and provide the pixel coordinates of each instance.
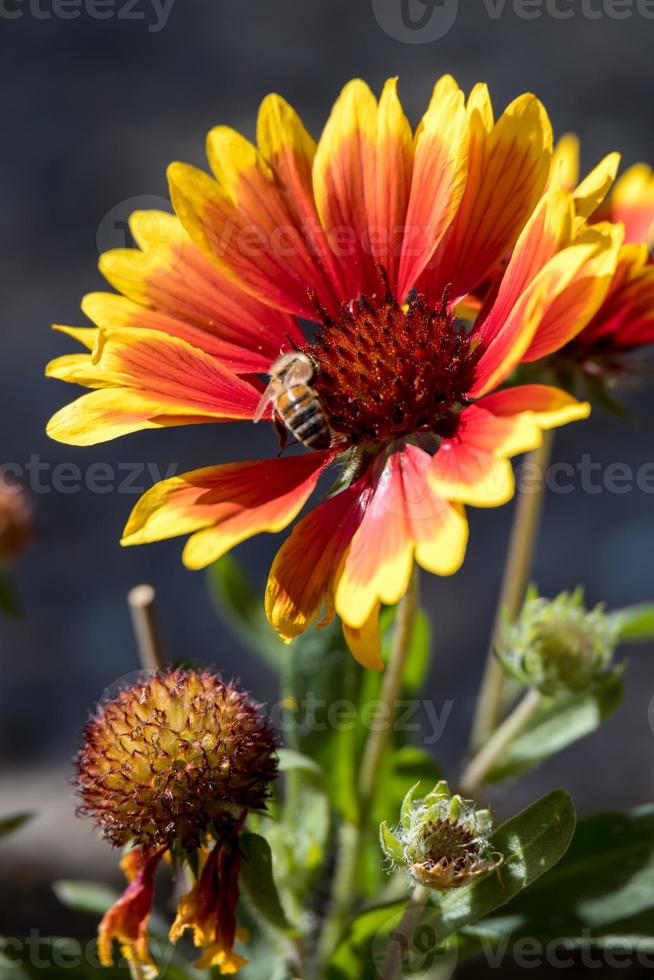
(386, 370)
(559, 646)
(441, 840)
(173, 757)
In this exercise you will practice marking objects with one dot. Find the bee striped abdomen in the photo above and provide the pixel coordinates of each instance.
(302, 414)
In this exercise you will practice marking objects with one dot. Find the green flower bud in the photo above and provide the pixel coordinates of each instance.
(441, 840)
(559, 646)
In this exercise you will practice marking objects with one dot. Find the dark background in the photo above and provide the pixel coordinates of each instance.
(91, 114)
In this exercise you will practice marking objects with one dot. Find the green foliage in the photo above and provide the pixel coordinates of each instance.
(292, 761)
(95, 898)
(243, 611)
(9, 602)
(85, 896)
(51, 958)
(532, 842)
(9, 825)
(636, 623)
(258, 883)
(557, 724)
(601, 893)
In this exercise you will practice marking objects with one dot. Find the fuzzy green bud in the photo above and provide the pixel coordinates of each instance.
(558, 646)
(441, 840)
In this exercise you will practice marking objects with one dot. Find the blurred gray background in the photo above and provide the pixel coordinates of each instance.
(93, 111)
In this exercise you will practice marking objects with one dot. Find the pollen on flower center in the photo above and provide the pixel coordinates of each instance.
(386, 370)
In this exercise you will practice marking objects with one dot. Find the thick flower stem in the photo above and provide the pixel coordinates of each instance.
(401, 937)
(477, 770)
(344, 888)
(517, 570)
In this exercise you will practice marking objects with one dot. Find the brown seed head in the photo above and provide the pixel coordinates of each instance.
(173, 757)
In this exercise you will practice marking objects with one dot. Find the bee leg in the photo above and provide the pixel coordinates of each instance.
(282, 433)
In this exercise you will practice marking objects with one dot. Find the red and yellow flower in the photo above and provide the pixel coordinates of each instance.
(384, 238)
(625, 320)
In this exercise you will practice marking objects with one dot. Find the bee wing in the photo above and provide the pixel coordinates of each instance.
(300, 373)
(265, 400)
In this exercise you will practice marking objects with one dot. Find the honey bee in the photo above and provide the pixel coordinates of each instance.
(295, 401)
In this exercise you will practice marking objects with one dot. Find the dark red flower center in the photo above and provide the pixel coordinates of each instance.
(386, 370)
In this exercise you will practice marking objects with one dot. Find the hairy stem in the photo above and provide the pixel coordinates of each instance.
(401, 937)
(475, 773)
(517, 570)
(351, 836)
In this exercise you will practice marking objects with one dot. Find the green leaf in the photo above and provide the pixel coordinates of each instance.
(9, 602)
(532, 842)
(53, 958)
(258, 881)
(637, 623)
(600, 894)
(322, 685)
(85, 896)
(8, 825)
(95, 898)
(599, 394)
(558, 723)
(299, 841)
(292, 761)
(243, 610)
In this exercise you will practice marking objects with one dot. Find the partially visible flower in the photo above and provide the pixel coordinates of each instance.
(632, 203)
(558, 646)
(624, 323)
(16, 521)
(379, 235)
(441, 840)
(172, 765)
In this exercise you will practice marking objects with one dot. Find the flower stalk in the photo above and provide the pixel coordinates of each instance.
(419, 898)
(141, 602)
(344, 889)
(519, 562)
(475, 773)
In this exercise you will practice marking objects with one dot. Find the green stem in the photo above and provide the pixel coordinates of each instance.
(351, 836)
(517, 570)
(475, 773)
(401, 937)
